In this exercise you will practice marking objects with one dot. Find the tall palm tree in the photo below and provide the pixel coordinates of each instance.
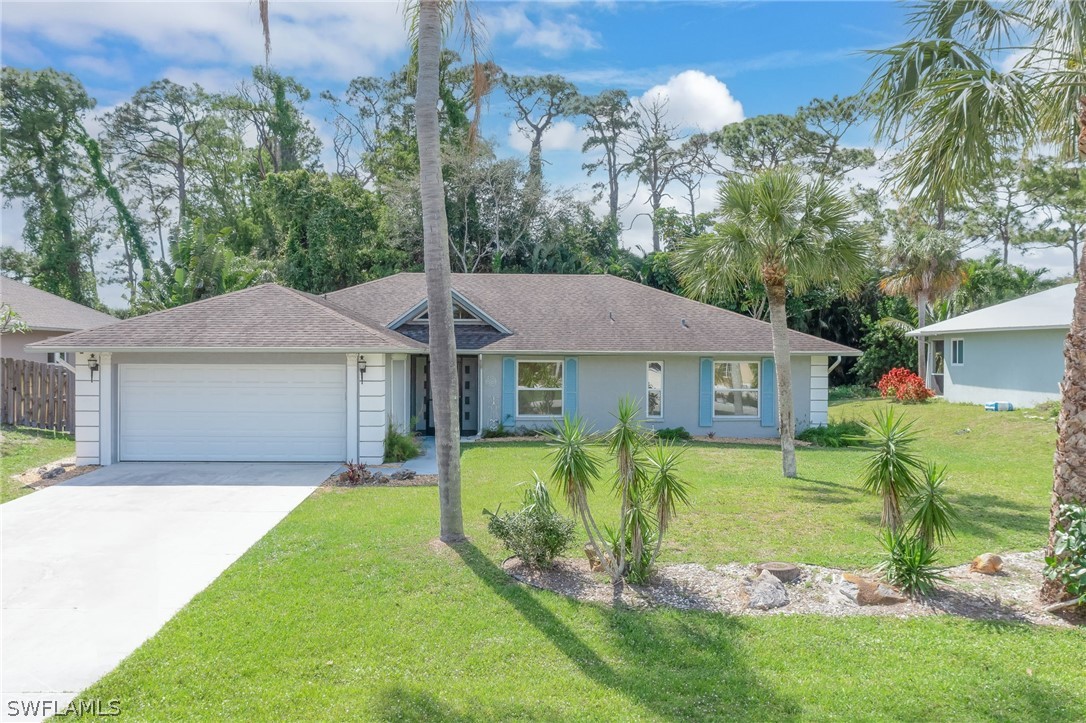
(428, 20)
(948, 105)
(925, 266)
(788, 233)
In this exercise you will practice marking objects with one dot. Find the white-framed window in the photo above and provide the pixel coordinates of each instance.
(957, 352)
(539, 388)
(735, 389)
(654, 389)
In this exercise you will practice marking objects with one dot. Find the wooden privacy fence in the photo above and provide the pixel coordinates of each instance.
(37, 395)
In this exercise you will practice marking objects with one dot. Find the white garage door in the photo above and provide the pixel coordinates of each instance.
(232, 412)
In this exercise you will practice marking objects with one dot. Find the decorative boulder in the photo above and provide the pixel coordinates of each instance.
(594, 563)
(403, 474)
(767, 592)
(783, 571)
(868, 592)
(986, 564)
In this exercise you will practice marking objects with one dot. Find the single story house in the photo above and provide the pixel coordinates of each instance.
(1010, 352)
(270, 373)
(46, 316)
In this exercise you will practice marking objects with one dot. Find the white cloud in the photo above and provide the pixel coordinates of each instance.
(551, 36)
(329, 40)
(563, 135)
(696, 100)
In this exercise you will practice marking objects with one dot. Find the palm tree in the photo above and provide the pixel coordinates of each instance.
(949, 106)
(925, 267)
(788, 233)
(427, 20)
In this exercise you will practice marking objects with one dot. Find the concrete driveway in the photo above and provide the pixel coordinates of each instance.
(94, 566)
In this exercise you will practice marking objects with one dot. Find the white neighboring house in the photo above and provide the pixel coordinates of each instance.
(1010, 352)
(46, 316)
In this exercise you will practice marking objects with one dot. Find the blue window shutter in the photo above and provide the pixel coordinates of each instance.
(705, 406)
(569, 388)
(509, 390)
(769, 393)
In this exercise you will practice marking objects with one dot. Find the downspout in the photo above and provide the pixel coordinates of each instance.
(834, 365)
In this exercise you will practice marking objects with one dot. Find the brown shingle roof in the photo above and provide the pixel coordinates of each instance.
(268, 316)
(584, 313)
(42, 311)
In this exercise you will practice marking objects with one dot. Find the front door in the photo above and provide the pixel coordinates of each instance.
(938, 364)
(467, 372)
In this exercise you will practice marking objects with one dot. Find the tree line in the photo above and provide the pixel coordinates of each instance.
(181, 194)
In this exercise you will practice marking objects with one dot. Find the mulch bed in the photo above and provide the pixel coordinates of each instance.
(421, 480)
(1010, 596)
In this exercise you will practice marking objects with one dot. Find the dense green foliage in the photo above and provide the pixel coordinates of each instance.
(837, 433)
(400, 446)
(910, 563)
(1067, 563)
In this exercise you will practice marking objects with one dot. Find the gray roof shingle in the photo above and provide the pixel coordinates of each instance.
(42, 311)
(268, 316)
(583, 313)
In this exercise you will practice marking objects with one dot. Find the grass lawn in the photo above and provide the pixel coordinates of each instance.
(22, 448)
(346, 610)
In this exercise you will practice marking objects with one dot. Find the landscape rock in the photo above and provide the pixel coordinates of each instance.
(51, 472)
(403, 474)
(783, 571)
(868, 592)
(986, 564)
(767, 592)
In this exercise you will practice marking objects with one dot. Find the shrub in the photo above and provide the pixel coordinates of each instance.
(400, 446)
(845, 433)
(904, 385)
(1068, 565)
(494, 432)
(843, 392)
(673, 434)
(909, 564)
(536, 533)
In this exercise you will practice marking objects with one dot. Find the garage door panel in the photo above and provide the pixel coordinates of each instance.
(232, 412)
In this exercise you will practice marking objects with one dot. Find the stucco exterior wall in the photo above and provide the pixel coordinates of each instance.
(12, 345)
(604, 379)
(1021, 367)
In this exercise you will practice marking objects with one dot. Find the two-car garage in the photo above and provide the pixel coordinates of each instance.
(231, 412)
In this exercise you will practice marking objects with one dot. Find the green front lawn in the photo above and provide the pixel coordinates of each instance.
(22, 448)
(347, 610)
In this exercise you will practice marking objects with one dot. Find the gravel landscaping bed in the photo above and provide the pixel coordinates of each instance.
(38, 478)
(1011, 595)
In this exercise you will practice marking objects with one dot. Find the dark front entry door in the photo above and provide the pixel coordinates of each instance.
(467, 372)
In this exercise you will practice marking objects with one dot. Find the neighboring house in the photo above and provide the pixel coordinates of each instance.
(1010, 352)
(269, 373)
(46, 316)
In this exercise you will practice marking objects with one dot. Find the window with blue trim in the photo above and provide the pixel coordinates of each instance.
(539, 388)
(736, 388)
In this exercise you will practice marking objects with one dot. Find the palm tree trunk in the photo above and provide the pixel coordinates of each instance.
(921, 345)
(1069, 477)
(438, 276)
(782, 356)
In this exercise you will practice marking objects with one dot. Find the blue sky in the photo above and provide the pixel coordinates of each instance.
(716, 62)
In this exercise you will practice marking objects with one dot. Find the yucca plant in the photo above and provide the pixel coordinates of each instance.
(647, 484)
(931, 518)
(625, 441)
(909, 564)
(574, 470)
(890, 471)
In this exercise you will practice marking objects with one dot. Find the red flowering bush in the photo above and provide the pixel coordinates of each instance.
(903, 385)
